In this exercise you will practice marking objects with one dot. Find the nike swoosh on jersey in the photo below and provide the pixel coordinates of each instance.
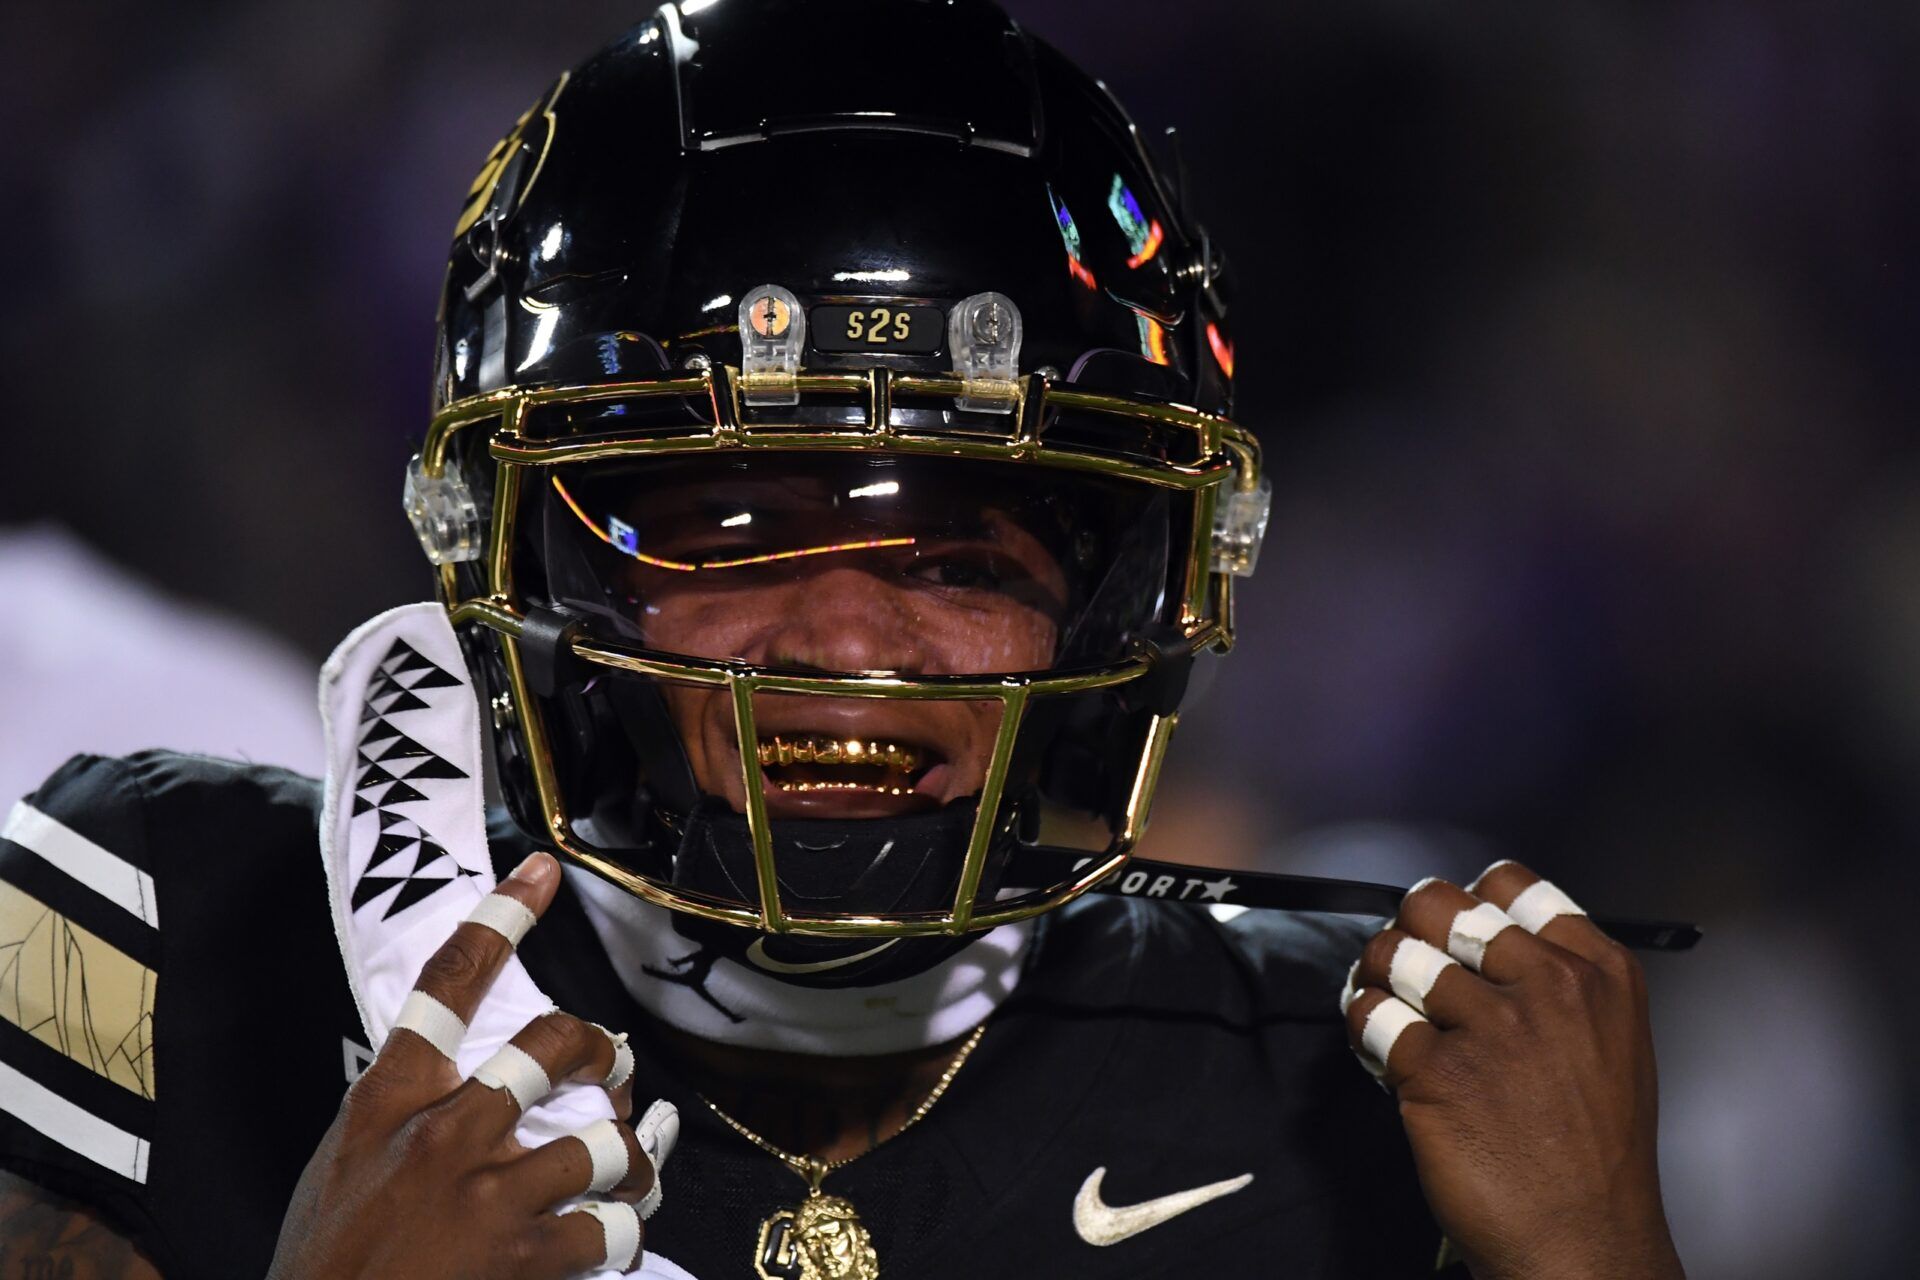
(1103, 1224)
(757, 954)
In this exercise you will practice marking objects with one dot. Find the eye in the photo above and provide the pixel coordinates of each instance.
(978, 573)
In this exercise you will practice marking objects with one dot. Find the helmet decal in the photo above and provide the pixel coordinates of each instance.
(533, 132)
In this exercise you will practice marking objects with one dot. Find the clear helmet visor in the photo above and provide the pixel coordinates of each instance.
(850, 564)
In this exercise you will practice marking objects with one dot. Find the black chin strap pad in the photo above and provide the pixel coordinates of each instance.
(872, 866)
(546, 650)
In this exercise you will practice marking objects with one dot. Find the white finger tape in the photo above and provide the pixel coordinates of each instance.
(620, 1225)
(518, 1072)
(503, 915)
(607, 1149)
(1351, 991)
(1416, 967)
(622, 1069)
(1389, 1019)
(1540, 902)
(1471, 932)
(433, 1022)
(1491, 868)
(1412, 889)
(658, 1132)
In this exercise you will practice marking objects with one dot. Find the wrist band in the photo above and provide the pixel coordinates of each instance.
(620, 1227)
(1416, 967)
(433, 1022)
(518, 1072)
(505, 916)
(1540, 902)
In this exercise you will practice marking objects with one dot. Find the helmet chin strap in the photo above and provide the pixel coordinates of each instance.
(756, 992)
(874, 866)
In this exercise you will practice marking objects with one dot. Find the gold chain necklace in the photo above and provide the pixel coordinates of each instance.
(822, 1238)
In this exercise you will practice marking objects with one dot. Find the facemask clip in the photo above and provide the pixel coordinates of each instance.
(773, 330)
(984, 334)
(1239, 526)
(444, 515)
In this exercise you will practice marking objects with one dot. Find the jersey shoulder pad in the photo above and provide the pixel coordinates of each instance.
(1297, 961)
(97, 867)
(1238, 965)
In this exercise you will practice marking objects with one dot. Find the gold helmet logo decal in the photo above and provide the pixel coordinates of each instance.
(534, 130)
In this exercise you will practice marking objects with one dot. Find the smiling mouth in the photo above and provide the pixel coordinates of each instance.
(810, 763)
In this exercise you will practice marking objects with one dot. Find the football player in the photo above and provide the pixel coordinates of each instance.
(830, 489)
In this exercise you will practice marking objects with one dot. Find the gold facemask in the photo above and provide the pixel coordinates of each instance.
(1216, 469)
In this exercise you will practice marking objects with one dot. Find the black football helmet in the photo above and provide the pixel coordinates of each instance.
(830, 476)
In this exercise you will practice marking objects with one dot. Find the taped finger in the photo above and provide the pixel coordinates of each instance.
(657, 1133)
(1539, 904)
(1348, 994)
(620, 1231)
(433, 1022)
(517, 1072)
(1416, 967)
(461, 970)
(1386, 1023)
(622, 1069)
(607, 1152)
(567, 1048)
(1471, 932)
(1352, 990)
(508, 917)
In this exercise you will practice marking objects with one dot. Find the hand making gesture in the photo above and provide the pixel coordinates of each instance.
(420, 1175)
(1514, 1033)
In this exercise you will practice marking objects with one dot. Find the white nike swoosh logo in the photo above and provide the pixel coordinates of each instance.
(1102, 1224)
(757, 953)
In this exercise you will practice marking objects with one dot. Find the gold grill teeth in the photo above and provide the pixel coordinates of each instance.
(865, 788)
(813, 749)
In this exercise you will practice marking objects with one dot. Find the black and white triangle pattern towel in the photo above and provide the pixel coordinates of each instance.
(403, 834)
(393, 774)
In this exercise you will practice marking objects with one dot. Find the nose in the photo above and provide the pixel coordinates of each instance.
(845, 619)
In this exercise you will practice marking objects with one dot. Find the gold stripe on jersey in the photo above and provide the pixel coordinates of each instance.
(69, 989)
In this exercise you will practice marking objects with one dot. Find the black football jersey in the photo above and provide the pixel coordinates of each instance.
(176, 1032)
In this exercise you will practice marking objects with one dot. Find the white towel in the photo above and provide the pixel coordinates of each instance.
(403, 835)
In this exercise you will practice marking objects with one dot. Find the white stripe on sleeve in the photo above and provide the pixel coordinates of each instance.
(73, 1127)
(104, 872)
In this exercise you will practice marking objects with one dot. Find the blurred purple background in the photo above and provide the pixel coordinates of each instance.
(1581, 339)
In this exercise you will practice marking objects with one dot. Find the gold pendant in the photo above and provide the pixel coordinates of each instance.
(821, 1238)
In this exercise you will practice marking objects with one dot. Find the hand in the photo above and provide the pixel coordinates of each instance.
(1527, 1088)
(420, 1175)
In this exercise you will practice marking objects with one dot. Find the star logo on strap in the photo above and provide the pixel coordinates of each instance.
(1217, 890)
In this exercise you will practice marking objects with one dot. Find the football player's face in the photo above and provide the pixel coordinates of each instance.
(980, 600)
